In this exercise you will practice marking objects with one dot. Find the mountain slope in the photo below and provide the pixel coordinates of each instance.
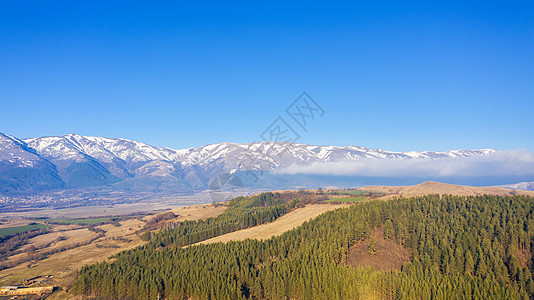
(22, 169)
(76, 161)
(525, 186)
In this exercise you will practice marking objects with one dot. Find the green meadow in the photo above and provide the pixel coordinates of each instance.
(20, 229)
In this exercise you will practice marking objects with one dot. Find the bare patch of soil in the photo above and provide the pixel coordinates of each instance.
(388, 256)
(525, 258)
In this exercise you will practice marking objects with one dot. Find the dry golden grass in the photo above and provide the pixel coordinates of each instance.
(431, 187)
(195, 212)
(73, 237)
(63, 265)
(14, 222)
(71, 259)
(284, 223)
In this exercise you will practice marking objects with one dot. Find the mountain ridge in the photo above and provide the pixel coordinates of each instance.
(524, 186)
(91, 161)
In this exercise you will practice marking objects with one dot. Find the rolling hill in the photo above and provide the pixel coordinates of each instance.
(431, 187)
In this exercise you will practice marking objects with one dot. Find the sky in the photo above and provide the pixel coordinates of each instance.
(392, 75)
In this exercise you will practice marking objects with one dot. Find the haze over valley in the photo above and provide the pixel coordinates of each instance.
(72, 170)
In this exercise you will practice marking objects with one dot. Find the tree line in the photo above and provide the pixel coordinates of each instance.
(462, 247)
(242, 212)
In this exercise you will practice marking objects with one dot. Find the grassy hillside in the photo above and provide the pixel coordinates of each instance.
(431, 187)
(83, 221)
(242, 212)
(459, 247)
(346, 199)
(285, 223)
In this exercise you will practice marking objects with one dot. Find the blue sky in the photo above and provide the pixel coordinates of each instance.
(397, 76)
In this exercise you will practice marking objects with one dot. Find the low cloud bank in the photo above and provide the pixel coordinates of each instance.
(500, 163)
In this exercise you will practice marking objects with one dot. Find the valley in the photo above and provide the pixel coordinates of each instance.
(147, 203)
(73, 243)
(69, 244)
(371, 250)
(276, 150)
(87, 169)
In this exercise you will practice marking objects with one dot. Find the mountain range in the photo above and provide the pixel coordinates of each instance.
(73, 161)
(524, 186)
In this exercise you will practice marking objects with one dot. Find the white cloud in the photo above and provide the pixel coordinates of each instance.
(500, 163)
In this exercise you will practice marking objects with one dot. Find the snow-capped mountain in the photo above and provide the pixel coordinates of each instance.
(21, 168)
(84, 161)
(525, 186)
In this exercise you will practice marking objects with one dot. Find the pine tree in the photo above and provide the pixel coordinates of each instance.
(469, 263)
(371, 249)
(389, 231)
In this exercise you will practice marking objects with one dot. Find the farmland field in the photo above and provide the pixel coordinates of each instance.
(72, 245)
(346, 199)
(20, 229)
(84, 221)
(353, 192)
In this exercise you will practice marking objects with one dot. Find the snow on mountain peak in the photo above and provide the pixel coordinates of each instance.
(107, 160)
(275, 154)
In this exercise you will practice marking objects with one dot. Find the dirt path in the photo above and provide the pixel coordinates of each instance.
(281, 225)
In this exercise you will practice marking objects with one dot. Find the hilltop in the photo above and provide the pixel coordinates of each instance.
(432, 187)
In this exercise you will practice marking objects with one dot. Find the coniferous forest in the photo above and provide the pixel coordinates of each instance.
(461, 247)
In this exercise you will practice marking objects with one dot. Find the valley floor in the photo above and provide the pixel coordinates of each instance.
(58, 269)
